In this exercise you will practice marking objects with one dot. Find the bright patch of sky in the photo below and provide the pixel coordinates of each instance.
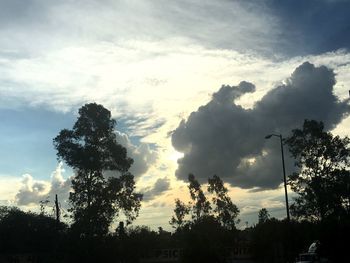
(151, 63)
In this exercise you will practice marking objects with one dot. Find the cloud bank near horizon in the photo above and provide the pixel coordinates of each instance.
(33, 191)
(226, 139)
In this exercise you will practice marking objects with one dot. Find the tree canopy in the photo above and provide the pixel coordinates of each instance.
(91, 149)
(322, 181)
(221, 210)
(200, 205)
(225, 210)
(263, 215)
(27, 232)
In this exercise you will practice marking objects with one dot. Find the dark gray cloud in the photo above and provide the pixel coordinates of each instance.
(289, 27)
(223, 138)
(313, 26)
(160, 186)
(16, 12)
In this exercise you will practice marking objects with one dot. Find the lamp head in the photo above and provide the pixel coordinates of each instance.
(268, 136)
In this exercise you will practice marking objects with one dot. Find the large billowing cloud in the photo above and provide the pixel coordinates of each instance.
(226, 139)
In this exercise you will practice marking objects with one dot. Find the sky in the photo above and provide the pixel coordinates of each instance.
(194, 85)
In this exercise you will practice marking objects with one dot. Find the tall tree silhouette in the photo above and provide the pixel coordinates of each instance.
(201, 206)
(226, 211)
(222, 210)
(90, 148)
(180, 212)
(205, 225)
(323, 180)
(263, 216)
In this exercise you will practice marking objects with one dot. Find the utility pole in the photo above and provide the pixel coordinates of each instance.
(57, 211)
(284, 179)
(284, 171)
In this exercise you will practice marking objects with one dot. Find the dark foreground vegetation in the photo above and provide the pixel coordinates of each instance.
(205, 228)
(204, 241)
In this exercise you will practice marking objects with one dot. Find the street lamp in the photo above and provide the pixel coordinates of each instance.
(284, 171)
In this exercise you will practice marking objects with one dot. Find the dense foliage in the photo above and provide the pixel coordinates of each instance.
(263, 215)
(28, 233)
(91, 149)
(323, 179)
(205, 229)
(221, 210)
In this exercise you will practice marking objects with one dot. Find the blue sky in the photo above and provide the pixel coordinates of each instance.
(313, 26)
(27, 135)
(155, 64)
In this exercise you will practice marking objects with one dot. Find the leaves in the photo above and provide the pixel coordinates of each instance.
(224, 212)
(181, 210)
(263, 216)
(322, 181)
(91, 148)
(201, 206)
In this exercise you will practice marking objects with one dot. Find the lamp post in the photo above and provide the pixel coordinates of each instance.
(284, 170)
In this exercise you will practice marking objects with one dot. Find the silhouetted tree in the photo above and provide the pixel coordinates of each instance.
(323, 179)
(27, 232)
(263, 215)
(226, 212)
(200, 206)
(180, 212)
(43, 204)
(206, 241)
(91, 148)
(139, 242)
